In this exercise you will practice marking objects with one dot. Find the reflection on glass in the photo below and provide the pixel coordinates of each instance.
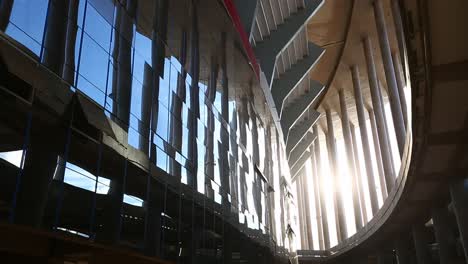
(13, 157)
(76, 176)
(27, 23)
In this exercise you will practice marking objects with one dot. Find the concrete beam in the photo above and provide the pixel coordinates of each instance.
(292, 113)
(299, 131)
(268, 50)
(294, 156)
(287, 82)
(299, 164)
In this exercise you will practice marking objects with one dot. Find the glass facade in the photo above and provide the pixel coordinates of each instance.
(140, 124)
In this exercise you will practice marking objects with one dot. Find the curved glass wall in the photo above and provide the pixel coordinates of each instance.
(144, 128)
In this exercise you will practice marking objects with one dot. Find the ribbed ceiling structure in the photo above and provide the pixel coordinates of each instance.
(280, 38)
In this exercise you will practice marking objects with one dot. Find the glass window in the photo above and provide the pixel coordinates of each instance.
(12, 157)
(134, 135)
(142, 55)
(161, 159)
(164, 84)
(93, 68)
(27, 23)
(78, 177)
(163, 122)
(98, 28)
(105, 8)
(135, 105)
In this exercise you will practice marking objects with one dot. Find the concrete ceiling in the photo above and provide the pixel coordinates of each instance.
(362, 24)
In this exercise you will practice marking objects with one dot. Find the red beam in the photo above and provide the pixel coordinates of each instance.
(232, 11)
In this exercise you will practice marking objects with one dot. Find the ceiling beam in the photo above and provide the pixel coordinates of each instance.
(268, 50)
(299, 164)
(298, 132)
(288, 81)
(304, 145)
(292, 113)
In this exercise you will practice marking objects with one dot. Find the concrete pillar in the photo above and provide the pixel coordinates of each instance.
(305, 196)
(210, 125)
(401, 86)
(300, 211)
(316, 183)
(358, 173)
(323, 208)
(146, 95)
(194, 94)
(421, 244)
(225, 138)
(122, 55)
(379, 115)
(341, 228)
(55, 36)
(444, 235)
(40, 163)
(400, 32)
(364, 138)
(68, 73)
(387, 60)
(175, 126)
(153, 207)
(109, 232)
(350, 158)
(378, 155)
(459, 195)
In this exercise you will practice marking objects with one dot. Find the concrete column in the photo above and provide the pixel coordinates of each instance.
(321, 193)
(400, 32)
(421, 244)
(158, 54)
(175, 126)
(300, 211)
(305, 194)
(401, 86)
(341, 228)
(379, 115)
(146, 95)
(387, 60)
(210, 125)
(224, 145)
(40, 163)
(459, 195)
(364, 138)
(59, 38)
(359, 175)
(55, 36)
(350, 158)
(316, 183)
(194, 94)
(444, 235)
(378, 155)
(68, 73)
(111, 216)
(122, 55)
(153, 224)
